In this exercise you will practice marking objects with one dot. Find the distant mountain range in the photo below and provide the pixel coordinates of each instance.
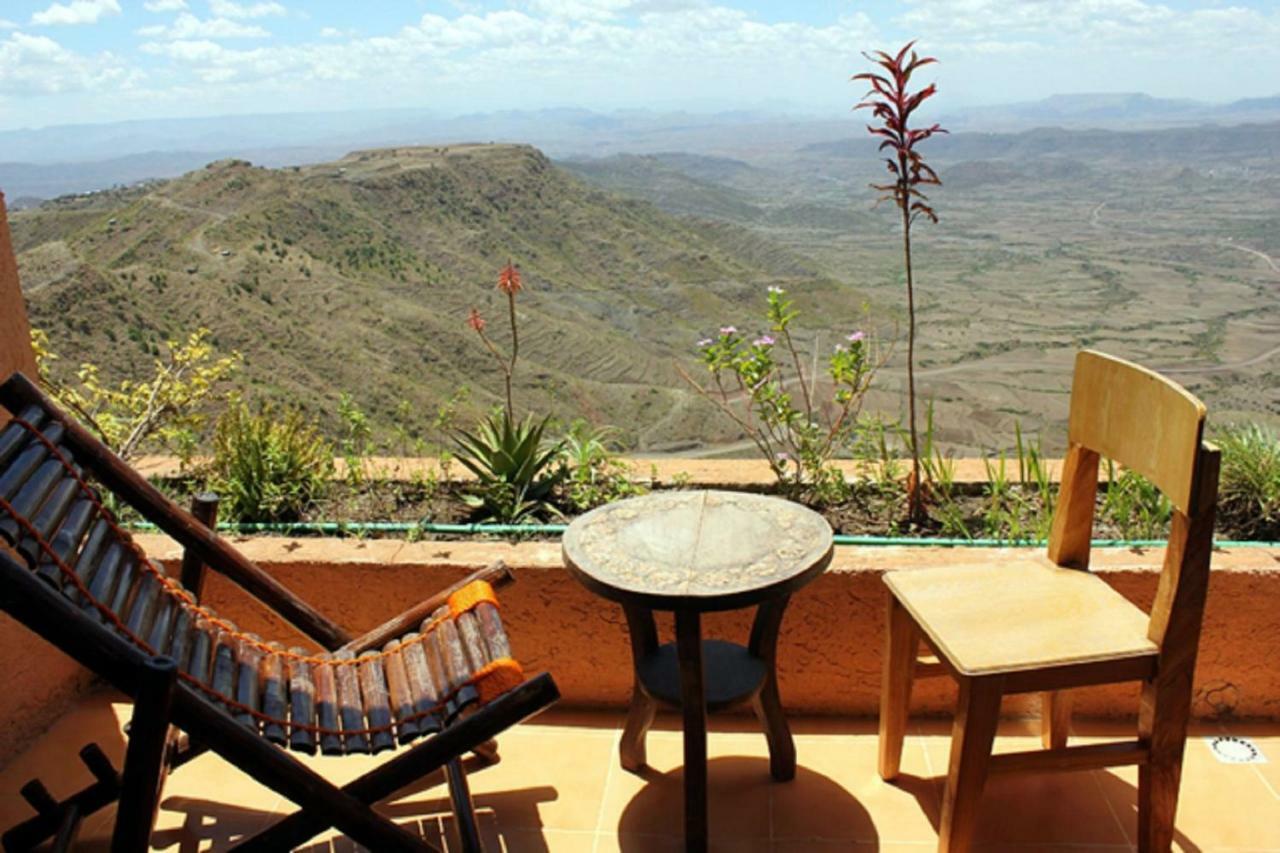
(52, 161)
(1204, 146)
(1111, 110)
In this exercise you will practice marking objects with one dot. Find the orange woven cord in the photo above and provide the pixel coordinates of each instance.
(476, 592)
(497, 677)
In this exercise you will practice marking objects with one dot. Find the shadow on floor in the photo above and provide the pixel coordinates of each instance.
(739, 806)
(215, 826)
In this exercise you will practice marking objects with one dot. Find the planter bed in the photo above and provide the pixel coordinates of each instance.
(406, 498)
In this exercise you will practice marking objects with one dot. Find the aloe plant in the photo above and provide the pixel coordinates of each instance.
(515, 468)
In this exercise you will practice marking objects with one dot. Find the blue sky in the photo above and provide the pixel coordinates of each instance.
(73, 61)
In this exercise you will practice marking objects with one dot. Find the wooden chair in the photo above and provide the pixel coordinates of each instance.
(1046, 624)
(442, 670)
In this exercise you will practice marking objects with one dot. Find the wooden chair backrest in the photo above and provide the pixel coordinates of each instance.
(19, 394)
(1139, 419)
(1153, 426)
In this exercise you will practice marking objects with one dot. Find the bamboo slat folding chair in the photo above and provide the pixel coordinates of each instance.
(442, 670)
(1047, 624)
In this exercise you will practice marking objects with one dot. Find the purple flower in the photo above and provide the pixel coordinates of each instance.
(705, 342)
(728, 330)
(856, 336)
(783, 457)
(763, 341)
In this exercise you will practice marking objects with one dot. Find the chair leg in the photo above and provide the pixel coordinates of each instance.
(464, 810)
(901, 647)
(1055, 718)
(144, 757)
(972, 736)
(1162, 722)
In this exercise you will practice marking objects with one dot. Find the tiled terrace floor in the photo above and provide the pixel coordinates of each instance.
(559, 788)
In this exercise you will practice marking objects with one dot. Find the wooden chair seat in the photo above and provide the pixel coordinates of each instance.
(1055, 616)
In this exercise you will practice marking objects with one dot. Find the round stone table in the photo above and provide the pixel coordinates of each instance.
(690, 553)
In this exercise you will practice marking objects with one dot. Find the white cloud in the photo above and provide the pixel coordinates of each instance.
(76, 12)
(1086, 25)
(6, 24)
(188, 26)
(38, 65)
(165, 5)
(229, 9)
(335, 33)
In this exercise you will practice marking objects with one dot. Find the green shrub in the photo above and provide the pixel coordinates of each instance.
(592, 473)
(1134, 506)
(1249, 487)
(268, 465)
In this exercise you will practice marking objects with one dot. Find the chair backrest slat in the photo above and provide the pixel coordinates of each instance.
(1139, 419)
(1153, 426)
(15, 436)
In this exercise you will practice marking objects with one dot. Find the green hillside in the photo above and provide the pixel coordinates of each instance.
(356, 276)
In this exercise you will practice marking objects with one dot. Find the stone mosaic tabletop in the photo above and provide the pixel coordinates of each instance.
(705, 550)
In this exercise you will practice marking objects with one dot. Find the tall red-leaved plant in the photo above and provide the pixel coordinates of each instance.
(892, 103)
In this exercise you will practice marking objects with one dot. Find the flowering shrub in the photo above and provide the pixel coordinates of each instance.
(755, 380)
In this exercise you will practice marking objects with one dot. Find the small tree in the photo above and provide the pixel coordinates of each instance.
(892, 104)
(165, 406)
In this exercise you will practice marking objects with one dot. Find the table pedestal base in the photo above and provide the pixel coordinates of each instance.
(698, 676)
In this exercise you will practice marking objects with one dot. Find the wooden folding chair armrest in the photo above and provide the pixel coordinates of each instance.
(496, 574)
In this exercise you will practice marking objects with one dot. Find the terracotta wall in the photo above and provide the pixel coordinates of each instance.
(830, 649)
(831, 639)
(39, 683)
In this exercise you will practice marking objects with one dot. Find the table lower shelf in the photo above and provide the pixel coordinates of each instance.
(730, 672)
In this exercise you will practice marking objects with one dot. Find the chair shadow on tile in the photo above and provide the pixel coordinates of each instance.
(740, 806)
(1007, 797)
(216, 826)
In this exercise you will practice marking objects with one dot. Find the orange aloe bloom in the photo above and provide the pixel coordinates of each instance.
(509, 280)
(475, 321)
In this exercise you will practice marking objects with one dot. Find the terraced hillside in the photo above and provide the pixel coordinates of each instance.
(1161, 246)
(356, 276)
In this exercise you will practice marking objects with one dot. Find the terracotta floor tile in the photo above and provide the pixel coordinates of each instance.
(811, 846)
(559, 789)
(653, 803)
(1036, 808)
(546, 779)
(838, 794)
(1267, 739)
(1220, 806)
(641, 843)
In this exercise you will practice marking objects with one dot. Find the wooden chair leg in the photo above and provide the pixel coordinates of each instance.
(464, 810)
(144, 757)
(1162, 722)
(1055, 718)
(901, 647)
(972, 736)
